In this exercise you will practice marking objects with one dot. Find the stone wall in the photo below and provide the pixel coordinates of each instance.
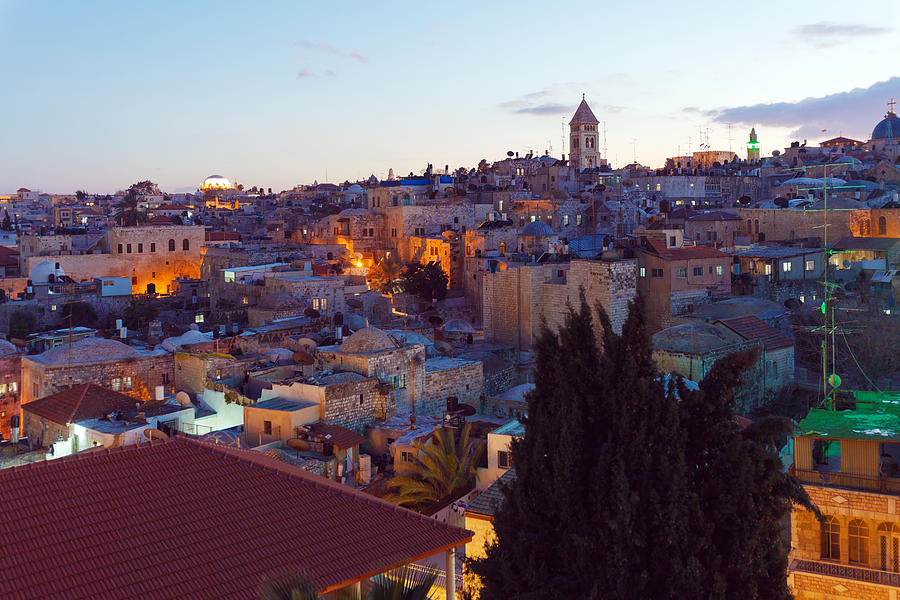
(10, 377)
(40, 380)
(792, 224)
(445, 377)
(353, 405)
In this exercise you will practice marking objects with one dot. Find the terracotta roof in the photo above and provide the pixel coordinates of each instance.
(85, 401)
(222, 236)
(658, 247)
(9, 257)
(339, 436)
(181, 518)
(160, 220)
(752, 328)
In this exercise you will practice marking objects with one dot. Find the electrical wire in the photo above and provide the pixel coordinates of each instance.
(858, 366)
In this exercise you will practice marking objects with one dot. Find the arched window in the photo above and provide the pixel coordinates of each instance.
(756, 226)
(882, 226)
(858, 535)
(749, 226)
(831, 538)
(502, 248)
(171, 245)
(889, 547)
(185, 244)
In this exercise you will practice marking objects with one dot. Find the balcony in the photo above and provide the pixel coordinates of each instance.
(861, 574)
(836, 479)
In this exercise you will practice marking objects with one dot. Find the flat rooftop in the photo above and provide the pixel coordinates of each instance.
(283, 404)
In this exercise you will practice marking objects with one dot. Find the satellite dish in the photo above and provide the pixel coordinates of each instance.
(303, 358)
(466, 410)
(510, 153)
(834, 380)
(298, 444)
(183, 399)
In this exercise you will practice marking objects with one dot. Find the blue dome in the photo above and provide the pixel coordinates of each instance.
(889, 128)
(537, 229)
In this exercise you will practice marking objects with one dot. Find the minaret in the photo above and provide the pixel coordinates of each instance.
(753, 148)
(583, 153)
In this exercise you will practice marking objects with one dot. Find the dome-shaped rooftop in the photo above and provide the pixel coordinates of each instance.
(41, 272)
(87, 350)
(694, 337)
(370, 339)
(457, 326)
(7, 348)
(537, 229)
(191, 336)
(215, 182)
(888, 128)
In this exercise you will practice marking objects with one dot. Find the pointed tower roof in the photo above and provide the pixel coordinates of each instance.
(584, 113)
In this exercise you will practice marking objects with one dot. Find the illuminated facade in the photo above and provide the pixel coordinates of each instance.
(753, 148)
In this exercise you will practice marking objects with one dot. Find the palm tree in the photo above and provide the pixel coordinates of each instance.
(291, 585)
(385, 276)
(404, 583)
(442, 467)
(130, 213)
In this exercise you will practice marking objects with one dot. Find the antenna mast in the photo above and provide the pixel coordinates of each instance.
(606, 158)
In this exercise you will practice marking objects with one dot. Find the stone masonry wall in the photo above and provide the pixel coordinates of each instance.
(464, 380)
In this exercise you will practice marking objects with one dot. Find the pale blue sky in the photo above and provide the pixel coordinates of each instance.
(97, 95)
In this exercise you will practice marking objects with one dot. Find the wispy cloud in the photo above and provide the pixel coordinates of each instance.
(826, 34)
(543, 102)
(854, 112)
(329, 73)
(304, 74)
(330, 49)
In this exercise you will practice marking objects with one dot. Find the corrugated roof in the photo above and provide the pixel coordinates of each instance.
(777, 252)
(80, 402)
(866, 243)
(487, 503)
(752, 328)
(186, 519)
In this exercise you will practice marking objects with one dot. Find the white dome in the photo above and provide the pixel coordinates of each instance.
(215, 182)
(41, 272)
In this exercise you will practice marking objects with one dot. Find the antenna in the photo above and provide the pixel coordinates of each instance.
(634, 149)
(730, 139)
(563, 135)
(604, 141)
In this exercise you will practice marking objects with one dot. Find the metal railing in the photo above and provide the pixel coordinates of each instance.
(885, 485)
(845, 572)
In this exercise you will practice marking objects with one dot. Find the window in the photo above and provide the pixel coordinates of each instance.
(565, 220)
(698, 271)
(399, 381)
(140, 248)
(720, 269)
(171, 245)
(185, 244)
(13, 387)
(831, 539)
(643, 272)
(267, 427)
(578, 219)
(198, 318)
(406, 456)
(658, 273)
(2, 388)
(749, 226)
(120, 248)
(362, 399)
(34, 389)
(882, 226)
(858, 534)
(682, 273)
(152, 246)
(126, 384)
(134, 280)
(786, 266)
(774, 368)
(768, 269)
(116, 384)
(165, 378)
(756, 226)
(889, 547)
(504, 459)
(128, 248)
(810, 265)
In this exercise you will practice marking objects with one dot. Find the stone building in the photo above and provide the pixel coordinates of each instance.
(153, 257)
(717, 227)
(108, 363)
(447, 377)
(847, 461)
(676, 280)
(372, 352)
(277, 305)
(516, 299)
(10, 374)
(584, 144)
(323, 294)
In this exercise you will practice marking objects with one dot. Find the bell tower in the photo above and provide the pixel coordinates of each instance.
(753, 148)
(583, 153)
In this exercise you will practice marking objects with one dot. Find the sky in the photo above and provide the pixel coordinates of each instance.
(98, 95)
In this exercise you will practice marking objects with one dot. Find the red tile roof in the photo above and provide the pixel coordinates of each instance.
(160, 220)
(752, 328)
(336, 434)
(85, 401)
(658, 247)
(9, 257)
(181, 518)
(222, 236)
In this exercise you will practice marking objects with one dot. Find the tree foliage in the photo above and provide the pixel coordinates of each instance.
(22, 323)
(138, 314)
(78, 314)
(625, 489)
(384, 276)
(427, 281)
(442, 467)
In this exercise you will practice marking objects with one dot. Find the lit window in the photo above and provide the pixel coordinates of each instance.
(565, 220)
(52, 307)
(198, 318)
(244, 301)
(116, 384)
(719, 269)
(578, 219)
(13, 387)
(682, 272)
(810, 265)
(2, 388)
(532, 218)
(768, 269)
(504, 459)
(658, 187)
(858, 533)
(126, 384)
(831, 539)
(643, 272)
(786, 266)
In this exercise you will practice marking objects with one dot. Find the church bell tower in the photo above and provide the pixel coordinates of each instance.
(583, 153)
